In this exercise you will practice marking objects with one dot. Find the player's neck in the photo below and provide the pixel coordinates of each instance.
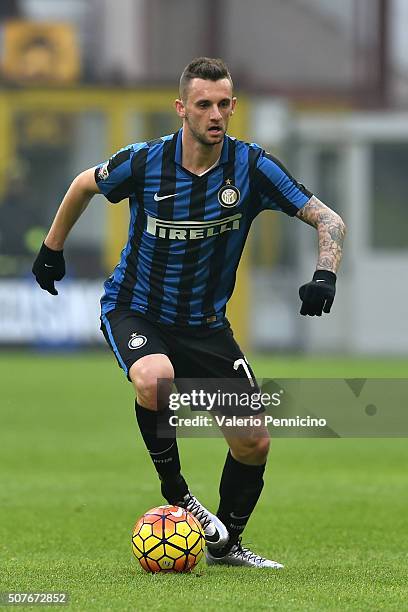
(198, 158)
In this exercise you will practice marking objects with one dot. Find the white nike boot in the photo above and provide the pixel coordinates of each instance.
(216, 534)
(238, 555)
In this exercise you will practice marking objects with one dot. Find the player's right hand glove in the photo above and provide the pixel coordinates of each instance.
(48, 267)
(318, 295)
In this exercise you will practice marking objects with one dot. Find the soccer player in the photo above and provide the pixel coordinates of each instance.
(192, 196)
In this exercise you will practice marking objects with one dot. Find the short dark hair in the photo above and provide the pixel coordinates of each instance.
(207, 68)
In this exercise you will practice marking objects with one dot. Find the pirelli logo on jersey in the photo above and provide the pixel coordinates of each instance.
(191, 230)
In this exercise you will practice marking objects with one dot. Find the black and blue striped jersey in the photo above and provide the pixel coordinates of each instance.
(187, 232)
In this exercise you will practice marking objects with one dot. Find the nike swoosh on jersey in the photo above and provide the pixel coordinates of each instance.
(48, 266)
(157, 198)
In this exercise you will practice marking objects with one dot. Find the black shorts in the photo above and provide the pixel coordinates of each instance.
(196, 355)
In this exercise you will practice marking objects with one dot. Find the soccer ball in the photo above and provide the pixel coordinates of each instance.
(168, 539)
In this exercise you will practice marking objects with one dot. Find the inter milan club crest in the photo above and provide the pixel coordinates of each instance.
(229, 195)
(137, 341)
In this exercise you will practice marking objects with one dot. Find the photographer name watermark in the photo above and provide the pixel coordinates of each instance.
(249, 421)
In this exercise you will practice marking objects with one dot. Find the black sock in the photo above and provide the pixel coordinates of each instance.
(240, 488)
(160, 439)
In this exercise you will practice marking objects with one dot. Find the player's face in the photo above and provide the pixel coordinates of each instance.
(207, 109)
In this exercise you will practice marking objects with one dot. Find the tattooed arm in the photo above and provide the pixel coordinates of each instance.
(330, 229)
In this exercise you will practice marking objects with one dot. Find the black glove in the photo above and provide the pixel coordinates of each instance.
(318, 295)
(49, 267)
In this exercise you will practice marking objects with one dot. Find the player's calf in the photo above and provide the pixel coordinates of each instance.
(152, 377)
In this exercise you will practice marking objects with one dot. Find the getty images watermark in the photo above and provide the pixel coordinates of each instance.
(208, 400)
(224, 404)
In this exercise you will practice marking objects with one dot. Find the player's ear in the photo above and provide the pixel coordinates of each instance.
(180, 108)
(233, 105)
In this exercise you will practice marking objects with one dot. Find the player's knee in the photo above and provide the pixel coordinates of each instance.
(263, 447)
(252, 451)
(152, 376)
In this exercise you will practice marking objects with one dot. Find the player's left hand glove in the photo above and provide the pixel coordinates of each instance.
(318, 295)
(48, 267)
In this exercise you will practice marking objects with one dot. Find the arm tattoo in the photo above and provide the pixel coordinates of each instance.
(330, 229)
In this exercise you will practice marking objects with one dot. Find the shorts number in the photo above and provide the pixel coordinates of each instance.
(242, 361)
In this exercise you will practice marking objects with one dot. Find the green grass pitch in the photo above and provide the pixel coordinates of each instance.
(75, 477)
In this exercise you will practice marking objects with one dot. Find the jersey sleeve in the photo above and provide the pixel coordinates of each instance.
(114, 177)
(276, 187)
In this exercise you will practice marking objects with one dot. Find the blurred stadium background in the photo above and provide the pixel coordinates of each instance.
(321, 84)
